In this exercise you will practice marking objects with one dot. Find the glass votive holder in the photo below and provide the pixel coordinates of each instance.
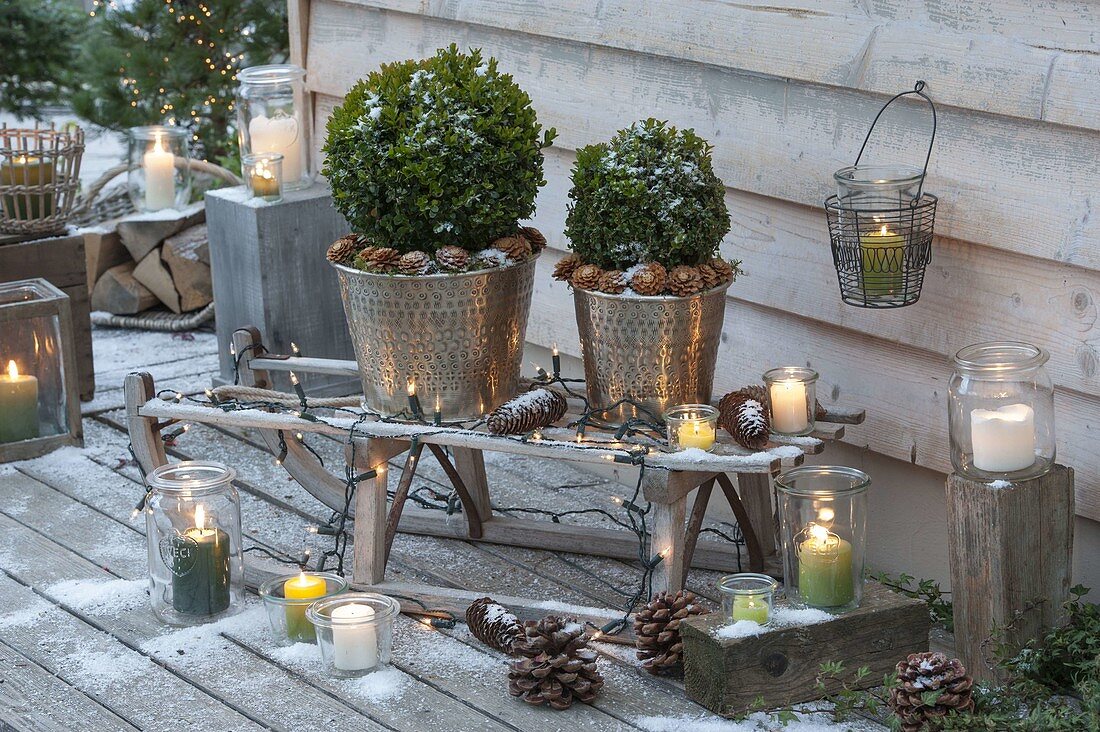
(159, 171)
(878, 187)
(793, 394)
(354, 631)
(692, 426)
(748, 596)
(286, 599)
(263, 174)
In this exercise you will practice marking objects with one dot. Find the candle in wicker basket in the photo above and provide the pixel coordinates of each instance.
(27, 170)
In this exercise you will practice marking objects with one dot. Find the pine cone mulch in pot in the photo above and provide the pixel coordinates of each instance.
(557, 668)
(493, 624)
(414, 263)
(612, 282)
(649, 279)
(533, 235)
(924, 673)
(344, 249)
(532, 410)
(657, 631)
(586, 277)
(746, 418)
(377, 259)
(684, 281)
(516, 246)
(563, 270)
(452, 258)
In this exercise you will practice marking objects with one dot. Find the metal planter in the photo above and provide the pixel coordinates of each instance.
(459, 337)
(658, 351)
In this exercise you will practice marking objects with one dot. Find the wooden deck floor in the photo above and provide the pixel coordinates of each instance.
(80, 650)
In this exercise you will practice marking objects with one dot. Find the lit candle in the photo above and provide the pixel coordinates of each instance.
(790, 410)
(200, 568)
(263, 181)
(27, 170)
(303, 587)
(750, 607)
(825, 569)
(278, 134)
(354, 642)
(557, 360)
(18, 405)
(696, 433)
(160, 176)
(1003, 439)
(882, 273)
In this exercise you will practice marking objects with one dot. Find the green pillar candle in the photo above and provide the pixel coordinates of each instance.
(882, 261)
(18, 405)
(825, 569)
(27, 170)
(200, 569)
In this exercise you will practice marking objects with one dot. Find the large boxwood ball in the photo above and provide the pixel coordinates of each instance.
(446, 150)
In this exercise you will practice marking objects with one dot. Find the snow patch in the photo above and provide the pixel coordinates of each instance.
(202, 643)
(101, 597)
(95, 668)
(756, 722)
(29, 614)
(167, 214)
(1000, 484)
(782, 617)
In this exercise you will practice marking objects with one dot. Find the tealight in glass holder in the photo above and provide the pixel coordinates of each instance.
(263, 174)
(1001, 412)
(286, 599)
(159, 167)
(793, 394)
(823, 527)
(354, 631)
(748, 596)
(692, 426)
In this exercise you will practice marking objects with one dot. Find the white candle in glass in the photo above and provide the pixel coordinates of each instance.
(160, 176)
(1003, 439)
(790, 413)
(278, 134)
(354, 642)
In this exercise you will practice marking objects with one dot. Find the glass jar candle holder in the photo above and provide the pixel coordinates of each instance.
(748, 596)
(1001, 412)
(823, 526)
(354, 631)
(193, 532)
(871, 187)
(793, 394)
(159, 171)
(692, 426)
(286, 599)
(263, 174)
(271, 118)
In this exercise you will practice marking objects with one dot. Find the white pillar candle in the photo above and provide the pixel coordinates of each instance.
(1003, 439)
(354, 643)
(278, 135)
(790, 412)
(160, 176)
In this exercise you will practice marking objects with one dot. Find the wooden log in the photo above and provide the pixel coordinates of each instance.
(102, 250)
(187, 257)
(118, 292)
(152, 273)
(141, 233)
(1011, 552)
(726, 675)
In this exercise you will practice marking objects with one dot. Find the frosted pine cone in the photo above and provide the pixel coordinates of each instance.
(413, 263)
(344, 249)
(377, 259)
(586, 277)
(557, 667)
(746, 418)
(657, 630)
(516, 246)
(922, 673)
(452, 258)
(612, 282)
(533, 235)
(529, 411)
(493, 624)
(650, 279)
(684, 281)
(563, 270)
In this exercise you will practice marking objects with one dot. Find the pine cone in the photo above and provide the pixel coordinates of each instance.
(492, 624)
(377, 259)
(612, 282)
(726, 271)
(534, 236)
(516, 246)
(558, 667)
(413, 263)
(684, 281)
(344, 249)
(745, 417)
(710, 276)
(586, 277)
(657, 630)
(452, 258)
(565, 267)
(529, 411)
(650, 279)
(921, 673)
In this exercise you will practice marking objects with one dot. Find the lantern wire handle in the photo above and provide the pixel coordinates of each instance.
(918, 90)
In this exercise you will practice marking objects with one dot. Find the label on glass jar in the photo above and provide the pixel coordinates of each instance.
(178, 553)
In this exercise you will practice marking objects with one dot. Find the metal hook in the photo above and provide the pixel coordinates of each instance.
(918, 90)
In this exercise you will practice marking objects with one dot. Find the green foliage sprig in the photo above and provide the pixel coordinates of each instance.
(939, 607)
(39, 41)
(648, 195)
(446, 150)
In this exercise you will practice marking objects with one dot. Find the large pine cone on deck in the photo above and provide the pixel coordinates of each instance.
(747, 417)
(657, 630)
(557, 667)
(532, 410)
(922, 673)
(493, 624)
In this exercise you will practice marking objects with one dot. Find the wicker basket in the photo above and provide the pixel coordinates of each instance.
(39, 175)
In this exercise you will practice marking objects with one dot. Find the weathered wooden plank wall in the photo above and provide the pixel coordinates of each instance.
(786, 93)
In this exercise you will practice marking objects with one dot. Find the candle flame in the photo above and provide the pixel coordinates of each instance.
(826, 514)
(696, 426)
(884, 231)
(200, 517)
(158, 143)
(301, 577)
(13, 370)
(819, 534)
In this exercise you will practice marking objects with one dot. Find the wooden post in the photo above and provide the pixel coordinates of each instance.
(369, 549)
(755, 490)
(1011, 549)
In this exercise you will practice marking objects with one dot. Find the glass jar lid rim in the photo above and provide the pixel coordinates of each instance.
(902, 173)
(678, 411)
(270, 73)
(764, 583)
(384, 606)
(802, 373)
(216, 475)
(142, 132)
(268, 588)
(858, 480)
(1012, 355)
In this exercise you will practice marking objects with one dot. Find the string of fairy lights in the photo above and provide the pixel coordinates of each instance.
(631, 512)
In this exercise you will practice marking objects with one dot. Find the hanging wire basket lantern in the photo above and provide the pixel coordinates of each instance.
(880, 226)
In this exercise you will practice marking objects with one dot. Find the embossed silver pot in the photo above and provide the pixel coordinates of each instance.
(659, 351)
(459, 337)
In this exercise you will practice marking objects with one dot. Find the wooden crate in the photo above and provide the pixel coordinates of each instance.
(60, 261)
(269, 270)
(782, 664)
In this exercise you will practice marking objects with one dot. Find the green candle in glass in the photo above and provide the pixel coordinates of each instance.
(200, 569)
(825, 569)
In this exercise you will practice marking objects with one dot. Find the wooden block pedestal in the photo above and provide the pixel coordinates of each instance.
(782, 664)
(1011, 552)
